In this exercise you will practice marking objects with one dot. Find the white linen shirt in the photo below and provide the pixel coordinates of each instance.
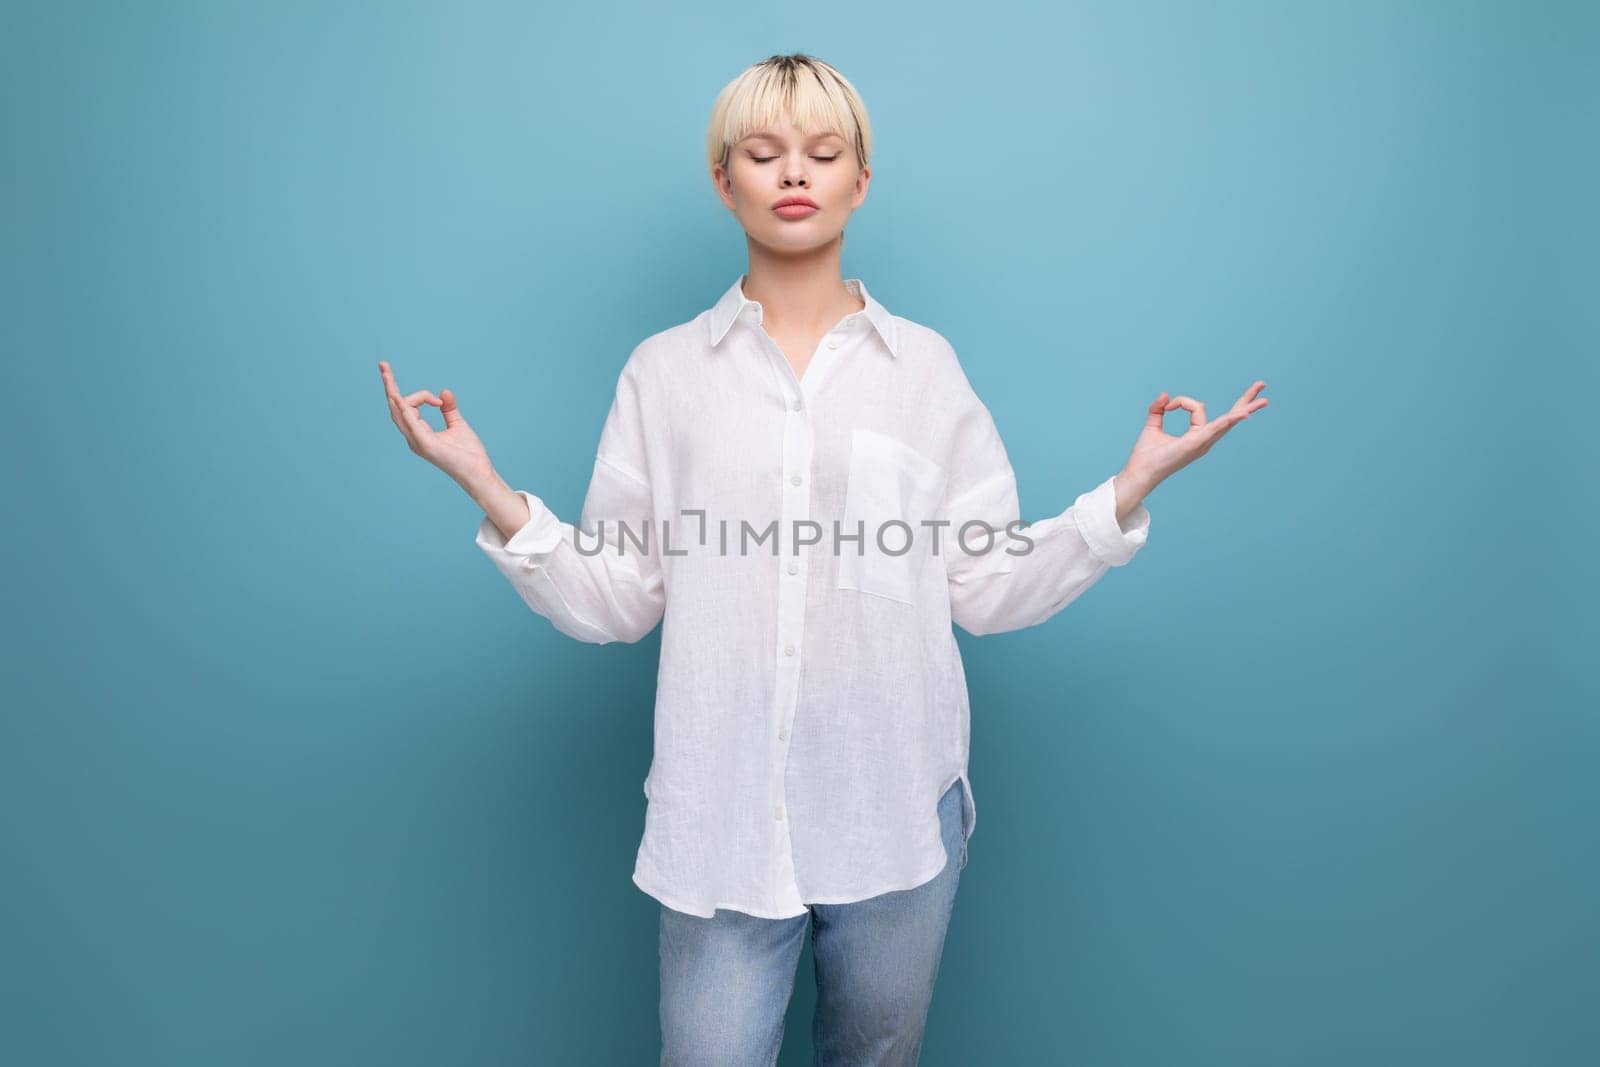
(810, 707)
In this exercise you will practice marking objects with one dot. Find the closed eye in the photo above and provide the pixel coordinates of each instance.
(819, 159)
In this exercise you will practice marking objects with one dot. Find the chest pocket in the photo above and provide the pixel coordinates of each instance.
(889, 484)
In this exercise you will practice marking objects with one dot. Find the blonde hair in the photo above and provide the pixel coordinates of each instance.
(815, 95)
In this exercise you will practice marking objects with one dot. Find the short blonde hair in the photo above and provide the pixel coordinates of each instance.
(816, 96)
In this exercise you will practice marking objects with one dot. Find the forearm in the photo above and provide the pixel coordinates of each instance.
(1002, 590)
(1131, 489)
(595, 596)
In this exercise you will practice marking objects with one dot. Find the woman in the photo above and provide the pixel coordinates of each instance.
(804, 490)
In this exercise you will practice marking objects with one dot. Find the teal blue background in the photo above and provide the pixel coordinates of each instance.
(289, 774)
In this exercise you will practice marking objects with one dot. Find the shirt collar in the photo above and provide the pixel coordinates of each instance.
(734, 303)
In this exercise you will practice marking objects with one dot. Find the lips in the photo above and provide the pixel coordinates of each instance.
(794, 207)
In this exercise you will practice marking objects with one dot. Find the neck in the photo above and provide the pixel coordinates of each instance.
(799, 292)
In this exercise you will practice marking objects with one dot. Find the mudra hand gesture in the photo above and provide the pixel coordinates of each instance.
(455, 450)
(1158, 454)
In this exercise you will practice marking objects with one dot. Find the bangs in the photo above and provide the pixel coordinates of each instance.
(810, 92)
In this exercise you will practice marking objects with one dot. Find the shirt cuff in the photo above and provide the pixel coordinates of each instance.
(1096, 515)
(538, 536)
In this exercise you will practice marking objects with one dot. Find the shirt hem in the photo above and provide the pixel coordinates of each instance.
(918, 882)
(646, 884)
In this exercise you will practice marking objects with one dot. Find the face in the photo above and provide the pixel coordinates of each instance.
(767, 167)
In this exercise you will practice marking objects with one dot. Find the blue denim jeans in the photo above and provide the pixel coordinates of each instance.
(726, 981)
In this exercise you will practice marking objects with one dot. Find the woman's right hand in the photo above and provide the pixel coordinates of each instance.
(455, 450)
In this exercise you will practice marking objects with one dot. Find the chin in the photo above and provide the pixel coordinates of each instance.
(794, 242)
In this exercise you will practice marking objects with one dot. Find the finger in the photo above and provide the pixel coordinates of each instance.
(389, 379)
(452, 413)
(423, 396)
(1221, 425)
(397, 406)
(1241, 412)
(405, 416)
(1196, 410)
(1158, 408)
(413, 405)
(1250, 393)
(410, 423)
(389, 386)
(1227, 422)
(404, 411)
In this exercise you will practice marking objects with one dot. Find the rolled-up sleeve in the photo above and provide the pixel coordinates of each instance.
(1025, 574)
(598, 594)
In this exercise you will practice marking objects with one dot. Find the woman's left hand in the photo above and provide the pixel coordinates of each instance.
(1157, 454)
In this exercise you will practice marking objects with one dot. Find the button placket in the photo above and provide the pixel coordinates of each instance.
(796, 507)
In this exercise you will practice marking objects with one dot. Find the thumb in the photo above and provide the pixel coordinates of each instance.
(452, 413)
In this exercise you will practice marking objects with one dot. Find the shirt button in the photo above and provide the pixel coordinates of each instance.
(788, 650)
(795, 406)
(794, 568)
(795, 480)
(777, 813)
(833, 344)
(783, 735)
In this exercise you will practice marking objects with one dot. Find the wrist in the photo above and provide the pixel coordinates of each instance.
(1131, 488)
(482, 486)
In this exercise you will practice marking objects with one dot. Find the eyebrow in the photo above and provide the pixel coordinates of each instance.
(768, 136)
